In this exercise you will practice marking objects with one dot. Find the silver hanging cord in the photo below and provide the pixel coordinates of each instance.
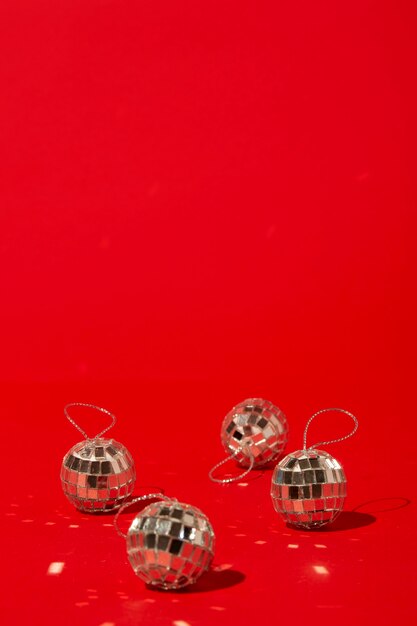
(323, 443)
(224, 481)
(149, 496)
(89, 406)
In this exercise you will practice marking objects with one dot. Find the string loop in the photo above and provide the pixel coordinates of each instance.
(89, 406)
(225, 481)
(323, 443)
(149, 496)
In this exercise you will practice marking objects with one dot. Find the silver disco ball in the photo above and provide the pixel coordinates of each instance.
(170, 544)
(255, 429)
(308, 488)
(97, 475)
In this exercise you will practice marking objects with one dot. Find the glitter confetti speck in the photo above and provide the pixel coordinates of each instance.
(55, 568)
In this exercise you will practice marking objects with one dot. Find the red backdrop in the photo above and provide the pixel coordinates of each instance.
(202, 202)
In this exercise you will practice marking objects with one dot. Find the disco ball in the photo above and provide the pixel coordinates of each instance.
(308, 488)
(97, 475)
(170, 544)
(255, 429)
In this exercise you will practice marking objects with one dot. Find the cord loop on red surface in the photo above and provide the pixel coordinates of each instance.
(323, 443)
(89, 406)
(224, 481)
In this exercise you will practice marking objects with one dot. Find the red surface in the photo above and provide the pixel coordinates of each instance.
(200, 204)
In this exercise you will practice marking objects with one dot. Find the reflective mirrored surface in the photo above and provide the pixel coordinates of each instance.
(257, 429)
(170, 545)
(98, 475)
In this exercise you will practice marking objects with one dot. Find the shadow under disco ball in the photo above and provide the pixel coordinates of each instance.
(97, 474)
(169, 544)
(308, 486)
(255, 429)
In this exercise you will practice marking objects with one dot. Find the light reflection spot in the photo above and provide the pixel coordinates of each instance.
(293, 546)
(55, 568)
(180, 622)
(222, 567)
(74, 526)
(320, 569)
(218, 608)
(260, 542)
(319, 545)
(242, 484)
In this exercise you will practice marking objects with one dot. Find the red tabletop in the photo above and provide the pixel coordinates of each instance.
(201, 204)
